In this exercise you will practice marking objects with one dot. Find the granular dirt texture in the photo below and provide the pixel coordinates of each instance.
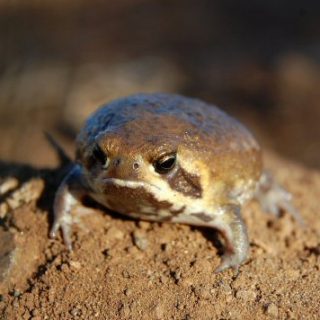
(126, 269)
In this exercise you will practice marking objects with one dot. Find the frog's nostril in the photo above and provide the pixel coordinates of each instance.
(116, 162)
(135, 165)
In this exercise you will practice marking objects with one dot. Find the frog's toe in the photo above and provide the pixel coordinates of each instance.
(66, 232)
(274, 199)
(229, 260)
(54, 229)
(65, 227)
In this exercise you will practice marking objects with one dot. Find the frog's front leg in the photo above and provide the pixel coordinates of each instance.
(69, 193)
(228, 222)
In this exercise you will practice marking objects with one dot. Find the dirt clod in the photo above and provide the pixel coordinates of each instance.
(272, 310)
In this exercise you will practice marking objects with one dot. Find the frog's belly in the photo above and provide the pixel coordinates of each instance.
(137, 203)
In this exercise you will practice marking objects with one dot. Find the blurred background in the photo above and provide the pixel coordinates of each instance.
(258, 60)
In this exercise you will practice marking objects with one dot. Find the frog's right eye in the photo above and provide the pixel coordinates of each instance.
(98, 156)
(165, 163)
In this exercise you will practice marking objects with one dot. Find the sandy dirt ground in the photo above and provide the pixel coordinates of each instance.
(60, 60)
(125, 269)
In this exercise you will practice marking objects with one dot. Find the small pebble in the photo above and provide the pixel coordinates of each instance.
(159, 312)
(128, 292)
(35, 312)
(179, 305)
(76, 311)
(8, 185)
(16, 293)
(28, 192)
(176, 275)
(4, 209)
(203, 293)
(115, 233)
(124, 310)
(51, 296)
(140, 240)
(126, 274)
(293, 274)
(272, 310)
(26, 315)
(143, 225)
(75, 265)
(64, 267)
(163, 279)
(246, 295)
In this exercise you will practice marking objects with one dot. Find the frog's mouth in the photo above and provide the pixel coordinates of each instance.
(133, 184)
(159, 196)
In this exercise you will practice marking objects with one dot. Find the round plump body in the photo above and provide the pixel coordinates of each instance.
(217, 160)
(164, 157)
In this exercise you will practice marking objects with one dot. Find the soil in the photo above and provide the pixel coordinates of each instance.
(60, 61)
(125, 269)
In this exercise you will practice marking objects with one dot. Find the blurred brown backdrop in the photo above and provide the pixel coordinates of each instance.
(257, 60)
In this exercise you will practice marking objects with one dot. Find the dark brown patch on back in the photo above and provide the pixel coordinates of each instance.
(186, 183)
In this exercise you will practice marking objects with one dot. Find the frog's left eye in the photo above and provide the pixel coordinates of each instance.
(165, 164)
(99, 156)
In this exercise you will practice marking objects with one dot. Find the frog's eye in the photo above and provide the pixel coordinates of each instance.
(99, 156)
(165, 164)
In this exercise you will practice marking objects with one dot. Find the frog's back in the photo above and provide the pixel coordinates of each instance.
(203, 118)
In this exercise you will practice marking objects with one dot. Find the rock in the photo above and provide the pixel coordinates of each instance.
(4, 209)
(127, 292)
(272, 310)
(8, 185)
(144, 225)
(7, 258)
(115, 233)
(20, 247)
(28, 192)
(140, 240)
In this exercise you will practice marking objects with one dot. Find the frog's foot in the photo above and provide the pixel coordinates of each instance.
(64, 224)
(229, 260)
(229, 223)
(274, 199)
(234, 232)
(66, 198)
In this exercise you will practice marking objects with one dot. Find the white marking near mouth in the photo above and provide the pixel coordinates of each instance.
(164, 192)
(130, 183)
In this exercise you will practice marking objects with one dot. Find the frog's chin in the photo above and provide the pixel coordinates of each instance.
(132, 184)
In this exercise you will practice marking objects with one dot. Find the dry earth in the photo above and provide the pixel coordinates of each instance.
(124, 269)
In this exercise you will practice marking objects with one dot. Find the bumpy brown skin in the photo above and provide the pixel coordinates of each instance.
(150, 124)
(217, 169)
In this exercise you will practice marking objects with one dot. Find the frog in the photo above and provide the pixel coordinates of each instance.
(164, 157)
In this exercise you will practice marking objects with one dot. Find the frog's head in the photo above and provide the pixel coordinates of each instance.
(147, 160)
